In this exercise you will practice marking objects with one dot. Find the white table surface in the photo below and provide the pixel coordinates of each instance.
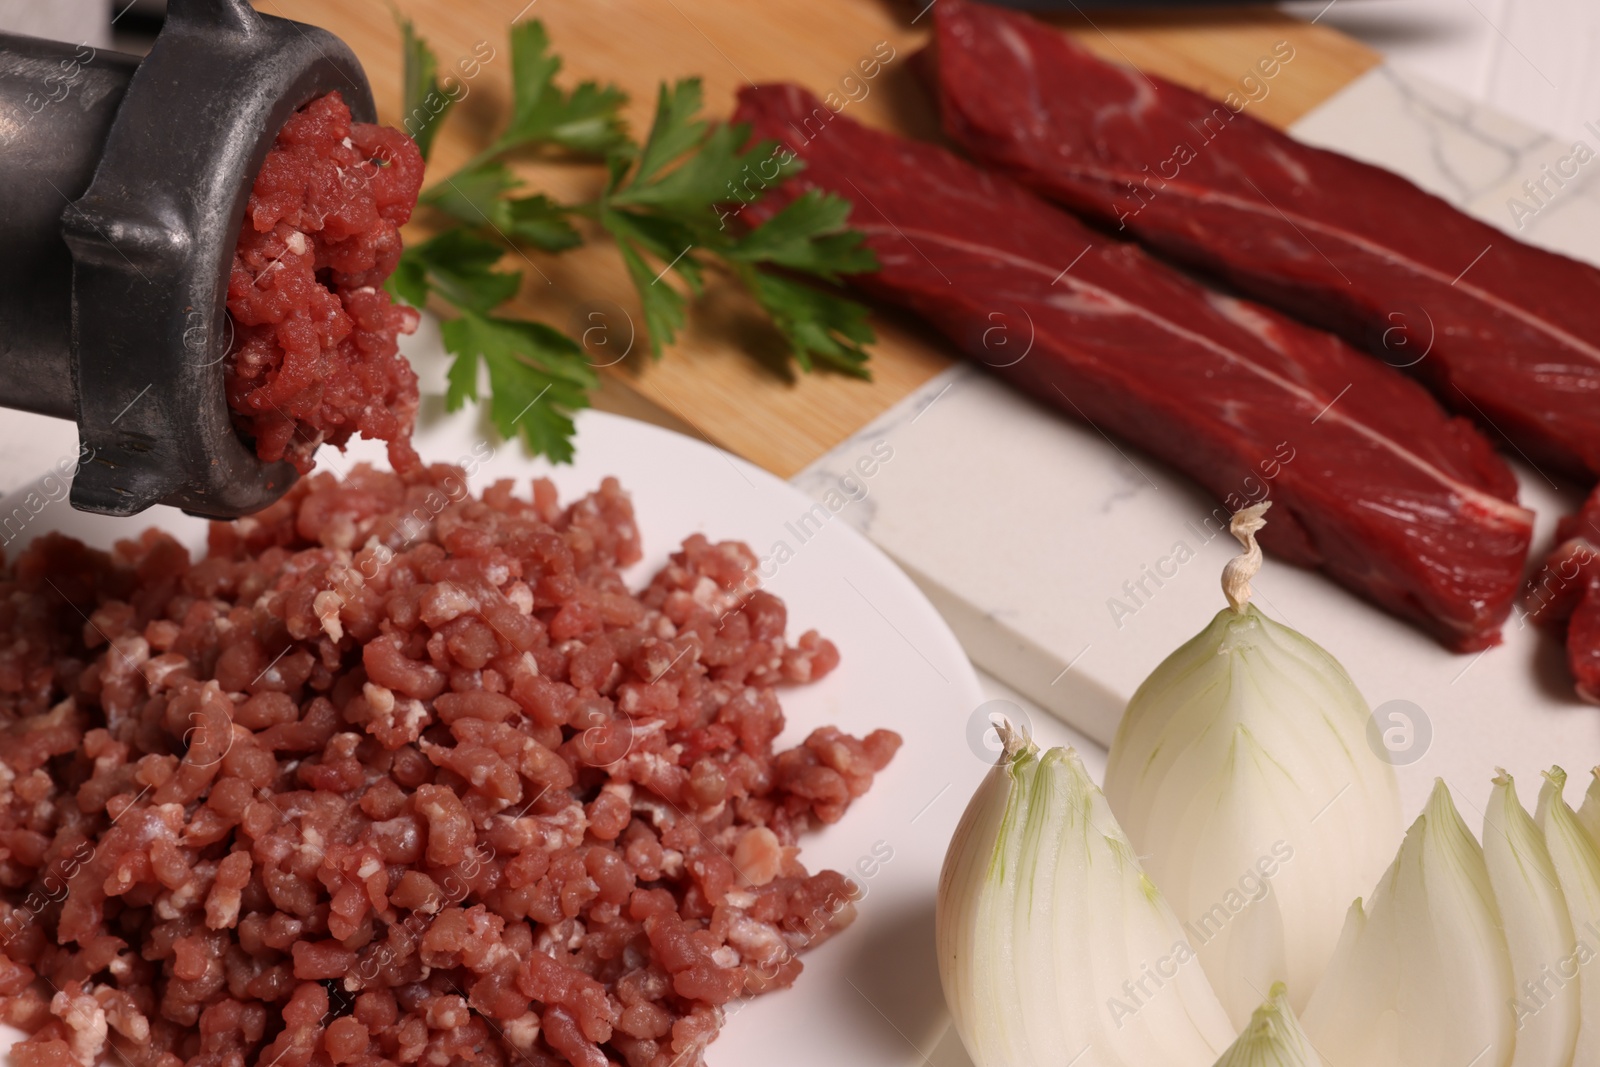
(1532, 59)
(63, 20)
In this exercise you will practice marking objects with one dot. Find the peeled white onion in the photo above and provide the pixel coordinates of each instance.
(1422, 976)
(1538, 930)
(1054, 947)
(1243, 775)
(1576, 858)
(1273, 1038)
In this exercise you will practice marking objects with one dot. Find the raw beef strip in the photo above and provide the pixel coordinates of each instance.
(1509, 331)
(1374, 483)
(1566, 593)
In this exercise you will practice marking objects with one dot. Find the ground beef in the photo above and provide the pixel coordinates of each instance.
(315, 353)
(396, 774)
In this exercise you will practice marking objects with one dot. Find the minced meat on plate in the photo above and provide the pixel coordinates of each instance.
(397, 774)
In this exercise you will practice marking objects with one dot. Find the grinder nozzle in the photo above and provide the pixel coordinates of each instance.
(126, 184)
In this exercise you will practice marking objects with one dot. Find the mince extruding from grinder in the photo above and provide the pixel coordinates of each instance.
(395, 774)
(1390, 495)
(315, 357)
(1511, 332)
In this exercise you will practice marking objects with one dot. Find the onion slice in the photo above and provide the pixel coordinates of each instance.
(1273, 1038)
(1589, 810)
(1243, 772)
(1538, 930)
(1577, 862)
(1054, 947)
(1421, 978)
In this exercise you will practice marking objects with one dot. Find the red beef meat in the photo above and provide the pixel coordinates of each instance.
(1565, 594)
(316, 353)
(1386, 492)
(1509, 331)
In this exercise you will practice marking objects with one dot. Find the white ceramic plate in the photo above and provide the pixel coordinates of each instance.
(870, 996)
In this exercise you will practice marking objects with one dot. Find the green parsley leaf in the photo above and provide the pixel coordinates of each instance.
(478, 198)
(691, 190)
(422, 101)
(664, 306)
(675, 129)
(808, 235)
(666, 239)
(541, 222)
(472, 195)
(409, 282)
(587, 120)
(820, 326)
(666, 203)
(459, 266)
(667, 208)
(538, 376)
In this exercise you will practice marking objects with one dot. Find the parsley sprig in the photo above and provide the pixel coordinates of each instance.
(666, 205)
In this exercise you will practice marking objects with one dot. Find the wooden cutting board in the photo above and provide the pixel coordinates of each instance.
(724, 380)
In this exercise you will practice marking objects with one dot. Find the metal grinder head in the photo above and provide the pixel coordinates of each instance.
(123, 185)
